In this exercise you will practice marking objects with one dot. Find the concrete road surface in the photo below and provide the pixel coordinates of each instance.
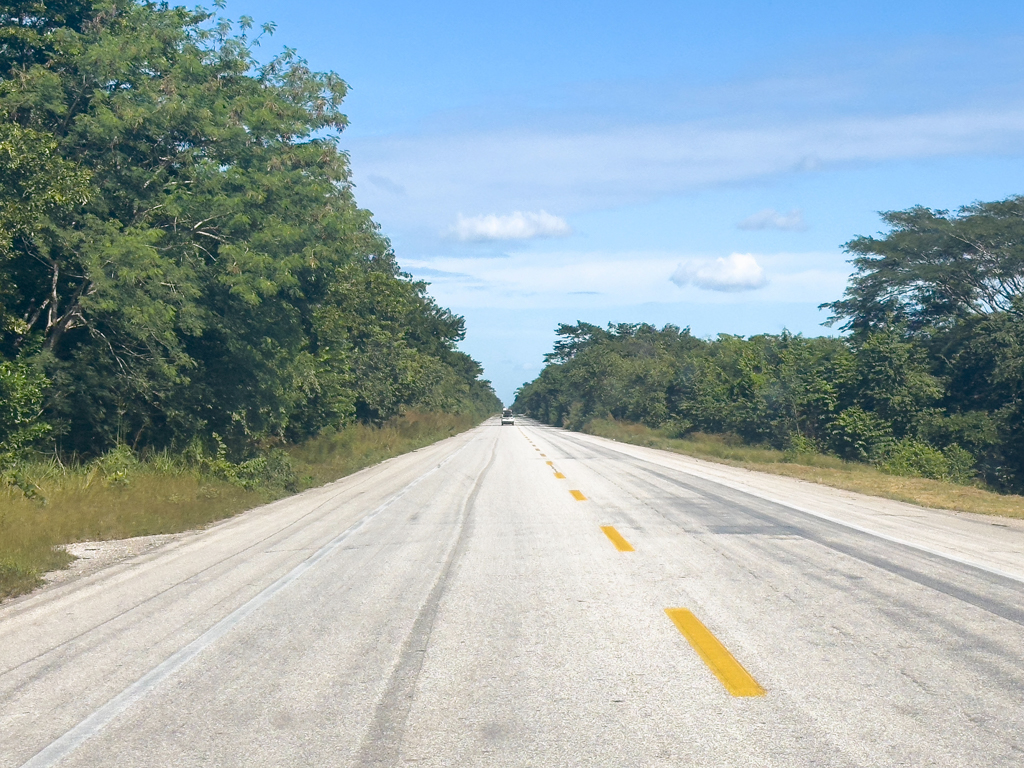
(525, 596)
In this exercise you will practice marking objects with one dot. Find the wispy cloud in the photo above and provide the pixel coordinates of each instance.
(388, 185)
(514, 226)
(571, 280)
(769, 218)
(536, 170)
(738, 272)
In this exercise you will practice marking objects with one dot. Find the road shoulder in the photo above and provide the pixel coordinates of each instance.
(992, 543)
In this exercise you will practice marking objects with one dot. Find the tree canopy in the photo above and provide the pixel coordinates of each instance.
(930, 373)
(933, 268)
(181, 253)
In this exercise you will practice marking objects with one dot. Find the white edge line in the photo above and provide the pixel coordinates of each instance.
(94, 723)
(853, 526)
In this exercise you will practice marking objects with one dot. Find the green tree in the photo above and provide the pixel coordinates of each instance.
(182, 251)
(933, 268)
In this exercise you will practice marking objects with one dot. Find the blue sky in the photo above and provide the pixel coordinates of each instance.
(694, 163)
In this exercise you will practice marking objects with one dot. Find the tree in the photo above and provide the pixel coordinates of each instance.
(934, 268)
(183, 251)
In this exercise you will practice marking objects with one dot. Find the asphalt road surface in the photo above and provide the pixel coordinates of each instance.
(525, 596)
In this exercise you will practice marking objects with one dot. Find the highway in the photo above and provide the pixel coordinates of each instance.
(527, 596)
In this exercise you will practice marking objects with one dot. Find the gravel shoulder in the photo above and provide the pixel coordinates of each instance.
(93, 556)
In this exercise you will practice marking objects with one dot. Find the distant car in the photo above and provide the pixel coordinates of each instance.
(507, 417)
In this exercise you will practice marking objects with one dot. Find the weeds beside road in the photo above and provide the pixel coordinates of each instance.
(119, 496)
(818, 468)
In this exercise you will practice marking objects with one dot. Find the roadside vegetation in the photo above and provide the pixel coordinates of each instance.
(195, 314)
(120, 495)
(921, 398)
(182, 258)
(817, 468)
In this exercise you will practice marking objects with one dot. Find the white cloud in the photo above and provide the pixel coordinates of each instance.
(769, 218)
(514, 226)
(738, 272)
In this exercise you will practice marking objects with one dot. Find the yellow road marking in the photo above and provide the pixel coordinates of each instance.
(550, 463)
(578, 496)
(559, 476)
(732, 674)
(543, 456)
(620, 543)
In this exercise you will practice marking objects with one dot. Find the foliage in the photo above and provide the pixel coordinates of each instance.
(934, 268)
(915, 458)
(929, 382)
(181, 254)
(21, 395)
(858, 435)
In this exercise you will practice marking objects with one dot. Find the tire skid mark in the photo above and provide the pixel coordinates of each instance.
(382, 743)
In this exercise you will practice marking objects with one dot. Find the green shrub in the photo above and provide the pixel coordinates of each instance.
(858, 435)
(575, 418)
(915, 458)
(798, 448)
(961, 465)
(676, 427)
(272, 470)
(115, 467)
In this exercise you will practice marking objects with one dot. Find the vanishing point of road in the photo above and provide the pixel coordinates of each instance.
(527, 596)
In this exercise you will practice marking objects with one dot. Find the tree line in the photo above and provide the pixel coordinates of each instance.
(926, 379)
(181, 254)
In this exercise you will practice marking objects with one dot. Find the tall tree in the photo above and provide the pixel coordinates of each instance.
(191, 227)
(934, 268)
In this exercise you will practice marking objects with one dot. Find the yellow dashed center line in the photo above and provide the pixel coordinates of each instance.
(616, 538)
(578, 496)
(550, 463)
(559, 476)
(732, 674)
(543, 456)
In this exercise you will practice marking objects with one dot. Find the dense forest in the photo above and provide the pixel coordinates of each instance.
(181, 255)
(927, 378)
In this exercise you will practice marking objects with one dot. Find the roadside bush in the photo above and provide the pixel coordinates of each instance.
(961, 465)
(21, 397)
(576, 417)
(799, 447)
(677, 427)
(272, 470)
(914, 458)
(857, 435)
(114, 468)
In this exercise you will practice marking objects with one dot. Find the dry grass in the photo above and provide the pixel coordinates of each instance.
(167, 496)
(816, 468)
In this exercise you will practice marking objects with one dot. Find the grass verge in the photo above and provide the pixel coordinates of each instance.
(168, 495)
(818, 468)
